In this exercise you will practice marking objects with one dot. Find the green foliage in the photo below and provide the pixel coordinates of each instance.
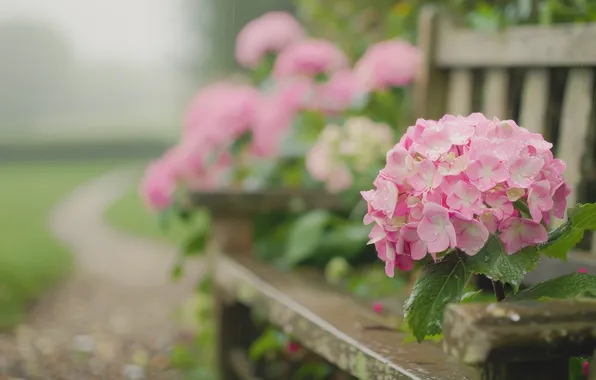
(437, 285)
(576, 368)
(336, 270)
(372, 283)
(345, 239)
(272, 340)
(305, 236)
(493, 262)
(573, 285)
(130, 214)
(563, 239)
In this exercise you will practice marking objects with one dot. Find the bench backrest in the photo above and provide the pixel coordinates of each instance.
(541, 76)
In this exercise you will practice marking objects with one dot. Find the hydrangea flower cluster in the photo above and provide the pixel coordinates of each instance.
(226, 111)
(449, 184)
(357, 145)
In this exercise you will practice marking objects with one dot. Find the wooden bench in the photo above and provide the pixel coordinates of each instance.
(511, 74)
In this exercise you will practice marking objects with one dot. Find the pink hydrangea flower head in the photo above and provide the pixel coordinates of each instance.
(450, 184)
(339, 93)
(392, 63)
(309, 58)
(158, 185)
(272, 121)
(220, 113)
(272, 32)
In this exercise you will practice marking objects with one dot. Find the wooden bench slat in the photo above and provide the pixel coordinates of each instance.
(534, 100)
(431, 83)
(575, 121)
(332, 325)
(538, 46)
(556, 328)
(495, 94)
(459, 100)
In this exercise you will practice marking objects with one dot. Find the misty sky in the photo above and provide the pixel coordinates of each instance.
(131, 31)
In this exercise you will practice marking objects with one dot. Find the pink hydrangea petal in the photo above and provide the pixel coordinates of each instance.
(471, 234)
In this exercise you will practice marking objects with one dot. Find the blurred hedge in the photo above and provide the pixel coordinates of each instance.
(355, 23)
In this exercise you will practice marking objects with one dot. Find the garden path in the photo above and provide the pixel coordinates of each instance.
(115, 317)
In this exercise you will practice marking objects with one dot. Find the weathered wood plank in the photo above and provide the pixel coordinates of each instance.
(459, 98)
(534, 100)
(431, 83)
(575, 122)
(544, 46)
(495, 94)
(531, 338)
(333, 325)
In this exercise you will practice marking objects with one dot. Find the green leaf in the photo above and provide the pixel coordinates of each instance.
(345, 240)
(569, 286)
(493, 262)
(437, 285)
(270, 341)
(305, 236)
(470, 296)
(195, 244)
(582, 217)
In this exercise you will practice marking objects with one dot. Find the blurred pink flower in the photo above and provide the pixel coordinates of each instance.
(158, 185)
(339, 93)
(309, 58)
(582, 270)
(273, 120)
(378, 307)
(220, 113)
(392, 63)
(271, 32)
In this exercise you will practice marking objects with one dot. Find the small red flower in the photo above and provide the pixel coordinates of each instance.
(378, 307)
(586, 368)
(292, 347)
(583, 270)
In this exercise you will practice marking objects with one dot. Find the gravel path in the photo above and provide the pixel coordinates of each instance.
(119, 313)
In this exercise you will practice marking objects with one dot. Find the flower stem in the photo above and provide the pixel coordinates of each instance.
(499, 290)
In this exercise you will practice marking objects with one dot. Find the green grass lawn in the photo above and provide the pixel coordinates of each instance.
(30, 258)
(129, 214)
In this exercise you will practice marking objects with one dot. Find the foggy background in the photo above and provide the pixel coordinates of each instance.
(88, 69)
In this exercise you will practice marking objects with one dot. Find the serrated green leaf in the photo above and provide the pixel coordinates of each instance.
(305, 236)
(437, 285)
(582, 217)
(493, 262)
(569, 286)
(469, 296)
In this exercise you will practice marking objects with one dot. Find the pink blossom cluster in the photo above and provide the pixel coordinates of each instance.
(353, 147)
(451, 183)
(224, 112)
(391, 63)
